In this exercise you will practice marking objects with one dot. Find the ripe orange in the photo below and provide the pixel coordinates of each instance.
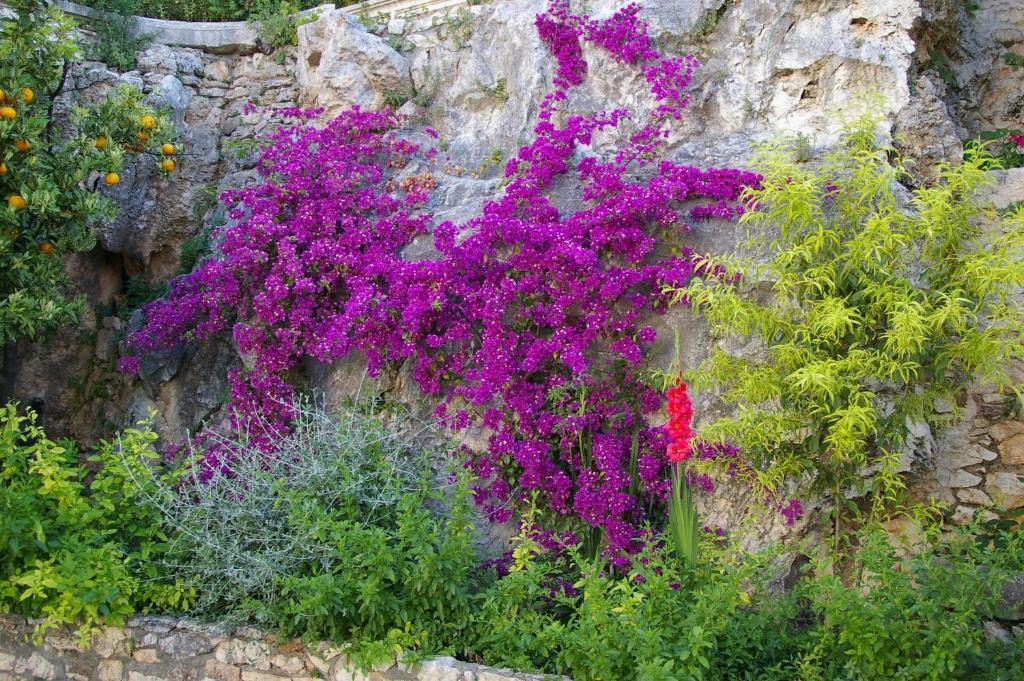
(21, 145)
(27, 95)
(101, 141)
(3, 168)
(112, 178)
(167, 164)
(148, 122)
(46, 248)
(15, 201)
(167, 148)
(142, 136)
(8, 112)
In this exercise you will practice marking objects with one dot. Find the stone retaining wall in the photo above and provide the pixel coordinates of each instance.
(166, 649)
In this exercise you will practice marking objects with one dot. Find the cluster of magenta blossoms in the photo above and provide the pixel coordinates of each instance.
(531, 321)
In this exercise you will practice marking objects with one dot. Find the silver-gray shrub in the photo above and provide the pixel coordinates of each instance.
(237, 536)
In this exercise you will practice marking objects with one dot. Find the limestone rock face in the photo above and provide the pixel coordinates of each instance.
(925, 131)
(341, 64)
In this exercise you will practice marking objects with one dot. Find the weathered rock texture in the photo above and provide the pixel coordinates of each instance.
(477, 74)
(166, 649)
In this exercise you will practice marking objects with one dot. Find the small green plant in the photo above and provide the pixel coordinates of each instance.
(870, 314)
(278, 22)
(77, 545)
(499, 90)
(708, 21)
(137, 292)
(458, 28)
(242, 147)
(205, 198)
(117, 38)
(424, 95)
(193, 250)
(940, 63)
(394, 99)
(399, 43)
(378, 25)
(803, 148)
(1013, 59)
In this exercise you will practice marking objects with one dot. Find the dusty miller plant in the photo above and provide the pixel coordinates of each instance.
(870, 310)
(238, 534)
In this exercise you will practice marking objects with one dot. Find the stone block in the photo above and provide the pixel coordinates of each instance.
(36, 666)
(973, 495)
(111, 642)
(1005, 430)
(110, 670)
(961, 478)
(1006, 489)
(221, 671)
(185, 644)
(251, 653)
(1011, 450)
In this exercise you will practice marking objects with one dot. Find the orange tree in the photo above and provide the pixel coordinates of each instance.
(56, 154)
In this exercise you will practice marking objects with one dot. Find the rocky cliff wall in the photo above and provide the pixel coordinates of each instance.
(476, 74)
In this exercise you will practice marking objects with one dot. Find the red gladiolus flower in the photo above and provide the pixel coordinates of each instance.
(680, 415)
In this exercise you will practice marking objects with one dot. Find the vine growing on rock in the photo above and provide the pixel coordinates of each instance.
(530, 318)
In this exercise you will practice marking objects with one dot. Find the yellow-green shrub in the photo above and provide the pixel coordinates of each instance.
(870, 309)
(77, 542)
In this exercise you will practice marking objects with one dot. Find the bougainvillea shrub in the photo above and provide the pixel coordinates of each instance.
(532, 321)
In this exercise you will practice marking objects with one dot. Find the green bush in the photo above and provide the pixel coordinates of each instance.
(342, 533)
(899, 612)
(870, 311)
(77, 545)
(277, 25)
(116, 40)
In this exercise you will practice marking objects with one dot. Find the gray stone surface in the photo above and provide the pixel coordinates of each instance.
(246, 656)
(341, 64)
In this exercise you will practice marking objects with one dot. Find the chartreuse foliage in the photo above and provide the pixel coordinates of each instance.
(50, 168)
(77, 545)
(870, 310)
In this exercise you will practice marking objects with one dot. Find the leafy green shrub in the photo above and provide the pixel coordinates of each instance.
(277, 24)
(900, 612)
(76, 543)
(116, 40)
(917, 617)
(341, 533)
(870, 313)
(569, 616)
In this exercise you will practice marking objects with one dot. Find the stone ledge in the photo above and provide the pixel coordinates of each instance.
(241, 37)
